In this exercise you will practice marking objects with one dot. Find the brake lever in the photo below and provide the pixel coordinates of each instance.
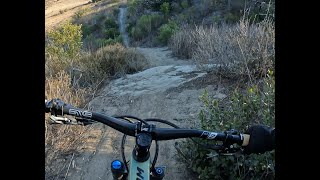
(70, 120)
(224, 151)
(227, 149)
(63, 120)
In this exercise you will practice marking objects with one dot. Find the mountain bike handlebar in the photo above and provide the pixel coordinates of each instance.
(58, 107)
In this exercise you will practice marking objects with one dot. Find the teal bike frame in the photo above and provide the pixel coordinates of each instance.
(139, 170)
(140, 167)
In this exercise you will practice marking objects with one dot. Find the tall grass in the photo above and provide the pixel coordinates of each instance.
(241, 50)
(111, 61)
(61, 139)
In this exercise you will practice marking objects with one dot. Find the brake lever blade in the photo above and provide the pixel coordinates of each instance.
(57, 120)
(62, 120)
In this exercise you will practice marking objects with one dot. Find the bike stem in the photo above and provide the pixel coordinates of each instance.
(141, 152)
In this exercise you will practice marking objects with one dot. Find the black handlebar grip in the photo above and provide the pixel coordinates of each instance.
(56, 106)
(47, 110)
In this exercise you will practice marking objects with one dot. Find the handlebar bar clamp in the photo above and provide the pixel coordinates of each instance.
(144, 128)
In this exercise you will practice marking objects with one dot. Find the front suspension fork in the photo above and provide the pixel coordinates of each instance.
(119, 171)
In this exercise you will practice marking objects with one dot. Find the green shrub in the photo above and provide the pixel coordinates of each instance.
(175, 7)
(165, 8)
(89, 29)
(231, 17)
(104, 42)
(192, 14)
(182, 18)
(153, 4)
(136, 33)
(110, 23)
(166, 31)
(93, 43)
(184, 4)
(100, 18)
(111, 41)
(115, 12)
(66, 40)
(62, 47)
(85, 30)
(112, 60)
(146, 25)
(134, 10)
(129, 28)
(217, 19)
(111, 33)
(96, 27)
(205, 7)
(255, 105)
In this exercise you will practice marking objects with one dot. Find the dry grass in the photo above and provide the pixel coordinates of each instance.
(61, 139)
(183, 42)
(240, 50)
(113, 60)
(59, 86)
